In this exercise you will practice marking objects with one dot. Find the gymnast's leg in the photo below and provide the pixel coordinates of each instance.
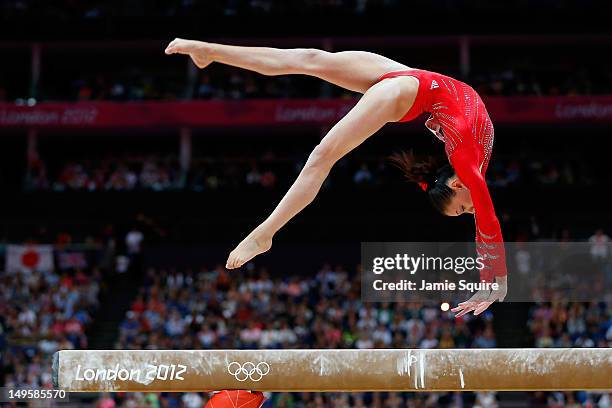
(353, 70)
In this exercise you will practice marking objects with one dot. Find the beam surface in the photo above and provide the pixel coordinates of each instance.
(334, 370)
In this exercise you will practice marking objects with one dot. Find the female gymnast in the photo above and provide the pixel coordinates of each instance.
(392, 92)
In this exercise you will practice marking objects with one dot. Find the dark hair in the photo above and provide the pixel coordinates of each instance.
(426, 173)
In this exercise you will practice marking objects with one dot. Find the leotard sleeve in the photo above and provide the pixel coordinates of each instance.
(489, 240)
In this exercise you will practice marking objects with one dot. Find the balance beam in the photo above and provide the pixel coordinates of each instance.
(334, 370)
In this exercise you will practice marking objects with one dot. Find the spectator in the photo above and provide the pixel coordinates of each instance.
(600, 245)
(133, 241)
(363, 175)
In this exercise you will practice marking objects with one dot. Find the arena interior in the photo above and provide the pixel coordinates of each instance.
(129, 175)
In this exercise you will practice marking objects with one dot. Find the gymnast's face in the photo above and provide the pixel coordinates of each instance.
(461, 201)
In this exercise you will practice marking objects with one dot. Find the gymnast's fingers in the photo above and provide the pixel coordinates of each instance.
(462, 306)
(482, 307)
(457, 309)
(465, 311)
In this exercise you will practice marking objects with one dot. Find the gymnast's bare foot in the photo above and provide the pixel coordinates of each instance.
(254, 244)
(197, 50)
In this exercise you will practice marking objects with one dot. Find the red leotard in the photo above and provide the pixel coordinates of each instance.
(236, 398)
(458, 117)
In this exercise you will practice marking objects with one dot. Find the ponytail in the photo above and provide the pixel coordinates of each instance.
(428, 176)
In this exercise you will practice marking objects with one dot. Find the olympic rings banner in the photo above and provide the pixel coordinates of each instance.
(275, 112)
(248, 370)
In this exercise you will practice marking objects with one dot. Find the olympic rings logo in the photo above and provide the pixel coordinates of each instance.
(248, 370)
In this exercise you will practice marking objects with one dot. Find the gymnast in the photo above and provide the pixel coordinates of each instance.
(392, 92)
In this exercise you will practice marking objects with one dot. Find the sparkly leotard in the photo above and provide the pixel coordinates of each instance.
(458, 117)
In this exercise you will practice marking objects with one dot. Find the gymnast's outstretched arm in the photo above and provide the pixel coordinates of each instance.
(353, 70)
(384, 102)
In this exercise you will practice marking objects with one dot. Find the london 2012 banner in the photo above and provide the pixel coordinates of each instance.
(528, 109)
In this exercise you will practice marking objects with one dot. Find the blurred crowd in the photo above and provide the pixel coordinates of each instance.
(546, 171)
(544, 82)
(140, 84)
(156, 174)
(567, 324)
(40, 313)
(561, 323)
(564, 324)
(208, 309)
(226, 84)
(107, 175)
(153, 79)
(159, 173)
(107, 72)
(92, 9)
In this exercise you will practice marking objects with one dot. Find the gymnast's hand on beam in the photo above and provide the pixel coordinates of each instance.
(483, 299)
(197, 50)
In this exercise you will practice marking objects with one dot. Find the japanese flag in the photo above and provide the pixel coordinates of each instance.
(27, 258)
